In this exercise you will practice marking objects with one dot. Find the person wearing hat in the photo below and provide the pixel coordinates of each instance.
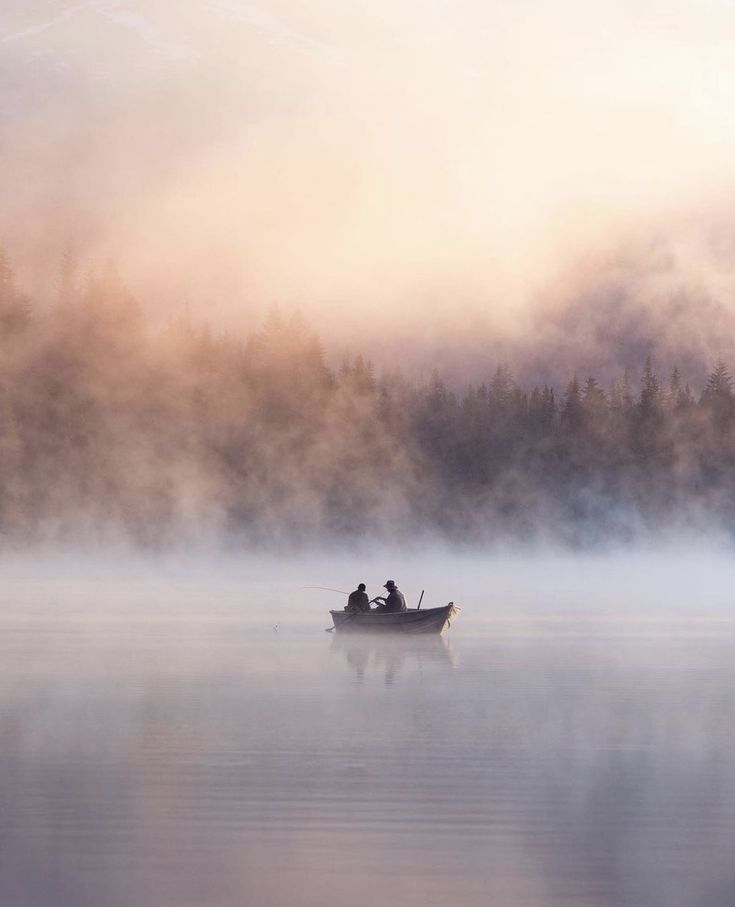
(358, 600)
(394, 601)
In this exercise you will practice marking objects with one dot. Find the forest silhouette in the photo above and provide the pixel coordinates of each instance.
(113, 431)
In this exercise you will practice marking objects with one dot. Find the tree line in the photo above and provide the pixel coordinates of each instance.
(112, 431)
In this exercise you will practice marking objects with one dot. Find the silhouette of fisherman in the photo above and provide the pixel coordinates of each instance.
(358, 601)
(394, 601)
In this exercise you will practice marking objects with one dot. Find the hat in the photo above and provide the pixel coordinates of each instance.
(389, 584)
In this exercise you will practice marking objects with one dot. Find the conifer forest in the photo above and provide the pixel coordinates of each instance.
(113, 431)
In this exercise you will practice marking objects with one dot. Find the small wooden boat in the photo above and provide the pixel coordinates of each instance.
(428, 620)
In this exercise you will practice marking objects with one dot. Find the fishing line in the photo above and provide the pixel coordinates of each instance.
(326, 589)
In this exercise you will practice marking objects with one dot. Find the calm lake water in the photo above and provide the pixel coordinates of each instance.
(172, 740)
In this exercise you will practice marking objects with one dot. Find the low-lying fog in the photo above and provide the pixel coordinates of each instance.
(259, 590)
(183, 732)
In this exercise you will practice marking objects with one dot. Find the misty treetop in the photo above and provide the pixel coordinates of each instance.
(112, 431)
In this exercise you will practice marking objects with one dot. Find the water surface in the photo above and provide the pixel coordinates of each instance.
(172, 739)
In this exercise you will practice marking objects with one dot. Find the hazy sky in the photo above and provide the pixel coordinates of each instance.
(358, 158)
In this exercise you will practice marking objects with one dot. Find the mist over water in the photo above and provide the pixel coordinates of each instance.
(185, 733)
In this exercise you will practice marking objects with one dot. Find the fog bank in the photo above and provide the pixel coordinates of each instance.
(386, 167)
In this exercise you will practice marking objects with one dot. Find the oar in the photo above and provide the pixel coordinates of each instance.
(421, 599)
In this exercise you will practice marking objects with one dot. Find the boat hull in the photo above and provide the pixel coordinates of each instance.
(430, 620)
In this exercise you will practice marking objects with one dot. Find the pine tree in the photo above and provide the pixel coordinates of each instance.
(675, 385)
(717, 396)
(548, 406)
(363, 375)
(502, 386)
(680, 396)
(271, 338)
(719, 382)
(572, 411)
(650, 391)
(7, 284)
(437, 393)
(67, 288)
(593, 396)
(15, 309)
(626, 392)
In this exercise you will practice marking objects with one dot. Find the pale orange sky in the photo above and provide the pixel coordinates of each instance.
(362, 158)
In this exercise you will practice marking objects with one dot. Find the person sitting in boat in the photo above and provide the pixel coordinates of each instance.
(358, 601)
(394, 601)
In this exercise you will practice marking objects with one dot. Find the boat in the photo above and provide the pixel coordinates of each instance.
(413, 620)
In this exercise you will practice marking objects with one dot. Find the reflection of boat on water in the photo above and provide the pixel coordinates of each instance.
(430, 620)
(389, 655)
